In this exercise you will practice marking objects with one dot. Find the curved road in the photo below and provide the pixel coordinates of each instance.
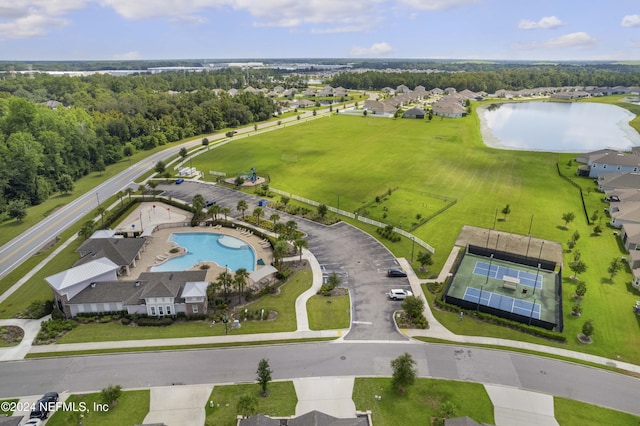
(142, 370)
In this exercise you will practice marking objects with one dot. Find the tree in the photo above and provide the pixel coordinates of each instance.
(129, 191)
(413, 306)
(240, 281)
(280, 250)
(183, 152)
(120, 196)
(284, 199)
(568, 217)
(99, 165)
(111, 394)
(242, 206)
(576, 309)
(247, 406)
(205, 142)
(274, 218)
(290, 229)
(214, 211)
(212, 289)
(258, 212)
(238, 181)
(160, 167)
(223, 281)
(581, 289)
(578, 267)
(17, 209)
(299, 244)
(597, 230)
(595, 216)
(65, 184)
(404, 372)
(264, 376)
(101, 211)
(87, 229)
(576, 236)
(322, 210)
(424, 259)
(198, 204)
(505, 211)
(587, 328)
(614, 267)
(225, 211)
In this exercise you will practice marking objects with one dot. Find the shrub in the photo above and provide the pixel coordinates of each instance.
(51, 330)
(57, 314)
(154, 322)
(39, 309)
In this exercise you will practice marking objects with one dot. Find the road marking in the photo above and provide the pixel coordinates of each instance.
(362, 322)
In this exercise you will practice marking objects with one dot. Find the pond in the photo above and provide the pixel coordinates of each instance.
(557, 126)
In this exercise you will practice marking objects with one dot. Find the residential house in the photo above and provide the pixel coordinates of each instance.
(312, 418)
(437, 91)
(402, 89)
(450, 90)
(378, 107)
(414, 113)
(448, 108)
(607, 161)
(616, 181)
(630, 235)
(624, 213)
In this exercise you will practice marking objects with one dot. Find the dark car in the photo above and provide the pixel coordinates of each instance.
(179, 181)
(209, 203)
(396, 273)
(41, 408)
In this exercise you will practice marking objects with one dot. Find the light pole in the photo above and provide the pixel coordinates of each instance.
(535, 284)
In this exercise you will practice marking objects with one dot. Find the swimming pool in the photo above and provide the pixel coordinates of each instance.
(207, 247)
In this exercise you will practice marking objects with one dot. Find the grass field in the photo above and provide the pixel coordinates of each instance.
(281, 402)
(352, 158)
(422, 401)
(574, 413)
(329, 313)
(132, 407)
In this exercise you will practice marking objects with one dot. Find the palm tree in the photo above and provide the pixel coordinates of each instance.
(258, 212)
(223, 280)
(290, 229)
(212, 288)
(242, 206)
(213, 211)
(120, 195)
(299, 244)
(101, 211)
(280, 250)
(129, 191)
(225, 211)
(240, 280)
(87, 229)
(274, 218)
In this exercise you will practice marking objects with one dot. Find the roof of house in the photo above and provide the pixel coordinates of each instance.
(10, 420)
(126, 292)
(195, 289)
(629, 211)
(620, 180)
(414, 112)
(625, 194)
(461, 421)
(448, 108)
(168, 284)
(615, 158)
(121, 251)
(633, 232)
(259, 420)
(104, 233)
(317, 418)
(80, 273)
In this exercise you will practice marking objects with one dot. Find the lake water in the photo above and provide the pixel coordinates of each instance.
(557, 126)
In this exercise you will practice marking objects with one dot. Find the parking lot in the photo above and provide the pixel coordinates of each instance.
(359, 259)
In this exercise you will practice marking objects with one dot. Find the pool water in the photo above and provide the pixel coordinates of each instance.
(205, 247)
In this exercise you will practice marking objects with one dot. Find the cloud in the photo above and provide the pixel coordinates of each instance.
(580, 39)
(128, 56)
(631, 21)
(376, 49)
(547, 22)
(32, 18)
(435, 4)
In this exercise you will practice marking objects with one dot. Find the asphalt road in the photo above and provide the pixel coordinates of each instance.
(237, 365)
(359, 259)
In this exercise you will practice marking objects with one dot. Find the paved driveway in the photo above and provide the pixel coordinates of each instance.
(358, 258)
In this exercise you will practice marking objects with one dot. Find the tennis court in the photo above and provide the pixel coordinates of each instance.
(502, 302)
(513, 275)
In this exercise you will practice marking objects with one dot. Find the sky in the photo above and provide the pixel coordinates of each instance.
(225, 29)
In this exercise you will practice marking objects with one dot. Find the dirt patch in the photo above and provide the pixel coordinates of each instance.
(10, 335)
(48, 246)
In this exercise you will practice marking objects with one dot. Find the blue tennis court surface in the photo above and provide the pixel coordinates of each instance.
(504, 303)
(499, 272)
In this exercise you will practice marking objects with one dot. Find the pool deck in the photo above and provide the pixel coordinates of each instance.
(158, 249)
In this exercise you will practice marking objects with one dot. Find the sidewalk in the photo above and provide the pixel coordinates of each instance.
(438, 331)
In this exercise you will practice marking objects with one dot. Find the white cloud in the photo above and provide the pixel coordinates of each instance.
(547, 22)
(631, 21)
(128, 56)
(31, 18)
(376, 49)
(435, 4)
(580, 39)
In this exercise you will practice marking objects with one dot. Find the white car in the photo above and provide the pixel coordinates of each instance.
(399, 294)
(33, 422)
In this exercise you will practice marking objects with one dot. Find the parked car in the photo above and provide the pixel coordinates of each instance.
(33, 422)
(396, 273)
(179, 181)
(41, 408)
(399, 294)
(209, 203)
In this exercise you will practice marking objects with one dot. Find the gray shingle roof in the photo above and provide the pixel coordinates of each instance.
(126, 292)
(121, 251)
(168, 284)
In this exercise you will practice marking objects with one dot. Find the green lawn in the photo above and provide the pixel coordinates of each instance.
(281, 401)
(329, 313)
(574, 413)
(132, 407)
(447, 157)
(283, 303)
(422, 401)
(11, 401)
